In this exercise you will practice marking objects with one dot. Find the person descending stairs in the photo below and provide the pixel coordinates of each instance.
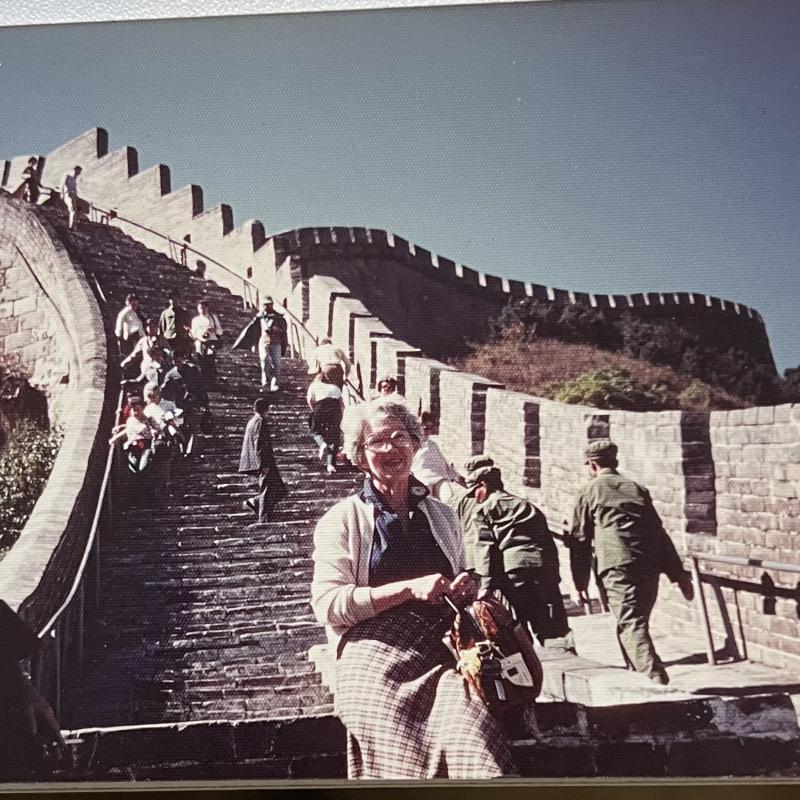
(202, 613)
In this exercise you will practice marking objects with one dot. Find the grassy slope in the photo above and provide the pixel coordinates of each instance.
(541, 366)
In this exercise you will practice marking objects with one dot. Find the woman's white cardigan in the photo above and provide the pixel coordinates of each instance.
(343, 540)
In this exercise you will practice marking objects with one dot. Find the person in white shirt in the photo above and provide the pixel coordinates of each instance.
(164, 413)
(325, 356)
(167, 419)
(129, 327)
(324, 398)
(206, 330)
(138, 432)
(150, 341)
(429, 465)
(69, 194)
(206, 327)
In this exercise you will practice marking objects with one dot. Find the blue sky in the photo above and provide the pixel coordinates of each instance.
(599, 146)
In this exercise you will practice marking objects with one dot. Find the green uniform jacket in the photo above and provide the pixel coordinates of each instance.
(619, 515)
(510, 534)
(463, 502)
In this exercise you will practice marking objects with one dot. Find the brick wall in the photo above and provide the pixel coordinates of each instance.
(30, 327)
(415, 292)
(702, 737)
(391, 305)
(54, 332)
(682, 457)
(756, 452)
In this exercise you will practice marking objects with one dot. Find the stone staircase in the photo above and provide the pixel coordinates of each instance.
(204, 614)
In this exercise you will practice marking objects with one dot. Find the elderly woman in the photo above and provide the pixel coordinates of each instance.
(384, 559)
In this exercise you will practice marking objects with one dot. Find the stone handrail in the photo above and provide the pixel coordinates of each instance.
(36, 575)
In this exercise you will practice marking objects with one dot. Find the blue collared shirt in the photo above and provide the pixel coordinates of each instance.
(399, 556)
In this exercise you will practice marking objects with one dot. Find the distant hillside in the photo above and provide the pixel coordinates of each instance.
(583, 373)
(579, 354)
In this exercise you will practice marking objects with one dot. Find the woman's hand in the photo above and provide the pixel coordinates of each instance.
(429, 588)
(463, 589)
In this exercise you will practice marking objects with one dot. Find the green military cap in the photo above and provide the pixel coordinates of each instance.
(601, 450)
(479, 467)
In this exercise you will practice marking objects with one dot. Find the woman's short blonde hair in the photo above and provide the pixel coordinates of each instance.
(357, 417)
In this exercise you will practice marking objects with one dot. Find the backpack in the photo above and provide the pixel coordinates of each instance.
(496, 656)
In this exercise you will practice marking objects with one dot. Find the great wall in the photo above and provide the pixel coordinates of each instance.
(727, 485)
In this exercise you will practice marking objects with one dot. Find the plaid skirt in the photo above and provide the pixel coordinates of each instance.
(407, 712)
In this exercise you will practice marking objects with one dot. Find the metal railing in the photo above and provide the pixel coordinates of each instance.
(178, 251)
(718, 581)
(64, 631)
(62, 636)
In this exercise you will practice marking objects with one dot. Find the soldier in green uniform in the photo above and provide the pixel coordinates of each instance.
(511, 549)
(632, 550)
(463, 502)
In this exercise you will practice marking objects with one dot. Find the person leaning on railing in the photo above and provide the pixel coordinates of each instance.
(151, 339)
(26, 718)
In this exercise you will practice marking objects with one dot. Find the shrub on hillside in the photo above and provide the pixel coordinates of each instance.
(698, 396)
(612, 387)
(791, 386)
(663, 342)
(25, 465)
(659, 342)
(571, 323)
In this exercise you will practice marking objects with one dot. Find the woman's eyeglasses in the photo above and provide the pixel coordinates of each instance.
(382, 444)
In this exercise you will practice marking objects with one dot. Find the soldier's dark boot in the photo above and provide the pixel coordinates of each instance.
(660, 677)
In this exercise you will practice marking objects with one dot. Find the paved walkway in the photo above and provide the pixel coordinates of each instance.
(598, 675)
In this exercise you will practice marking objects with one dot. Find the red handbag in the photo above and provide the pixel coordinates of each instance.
(495, 655)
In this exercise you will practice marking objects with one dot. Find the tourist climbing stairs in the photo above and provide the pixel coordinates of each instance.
(203, 613)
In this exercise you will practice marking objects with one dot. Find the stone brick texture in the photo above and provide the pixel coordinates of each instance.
(364, 285)
(201, 613)
(51, 330)
(724, 483)
(416, 293)
(549, 740)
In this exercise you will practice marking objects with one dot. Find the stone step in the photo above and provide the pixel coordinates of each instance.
(199, 590)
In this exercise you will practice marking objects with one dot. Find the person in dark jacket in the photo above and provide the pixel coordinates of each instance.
(266, 333)
(30, 187)
(185, 386)
(257, 458)
(514, 553)
(26, 718)
(175, 325)
(632, 550)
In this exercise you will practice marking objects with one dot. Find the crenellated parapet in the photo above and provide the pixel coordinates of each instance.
(724, 482)
(374, 243)
(410, 288)
(113, 180)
